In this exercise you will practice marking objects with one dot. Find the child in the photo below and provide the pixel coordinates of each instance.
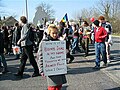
(54, 81)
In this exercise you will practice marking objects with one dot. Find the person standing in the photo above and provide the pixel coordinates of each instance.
(27, 50)
(66, 38)
(10, 36)
(100, 47)
(16, 36)
(6, 39)
(54, 81)
(2, 57)
(39, 36)
(108, 28)
(86, 37)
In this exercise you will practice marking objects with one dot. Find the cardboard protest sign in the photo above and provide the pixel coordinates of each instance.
(54, 57)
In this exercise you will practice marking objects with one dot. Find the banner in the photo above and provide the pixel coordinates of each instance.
(54, 57)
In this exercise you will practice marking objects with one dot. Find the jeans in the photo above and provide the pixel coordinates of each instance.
(75, 46)
(100, 49)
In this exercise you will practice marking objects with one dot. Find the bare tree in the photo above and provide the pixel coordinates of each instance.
(47, 8)
(103, 6)
(115, 8)
(86, 14)
(76, 15)
(109, 8)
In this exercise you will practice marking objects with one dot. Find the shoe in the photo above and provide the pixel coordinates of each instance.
(85, 55)
(96, 67)
(1, 66)
(104, 65)
(4, 71)
(108, 61)
(35, 74)
(18, 75)
(71, 59)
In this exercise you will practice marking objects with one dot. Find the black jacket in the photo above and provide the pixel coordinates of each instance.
(16, 35)
(1, 43)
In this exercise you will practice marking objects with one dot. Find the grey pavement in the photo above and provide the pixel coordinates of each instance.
(80, 74)
(113, 69)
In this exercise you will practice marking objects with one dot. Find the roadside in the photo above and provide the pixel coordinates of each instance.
(113, 69)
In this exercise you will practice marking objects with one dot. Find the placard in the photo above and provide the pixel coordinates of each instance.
(54, 57)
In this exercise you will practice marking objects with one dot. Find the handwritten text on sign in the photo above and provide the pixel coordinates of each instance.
(54, 57)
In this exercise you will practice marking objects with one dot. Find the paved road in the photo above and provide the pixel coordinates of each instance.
(113, 69)
(80, 75)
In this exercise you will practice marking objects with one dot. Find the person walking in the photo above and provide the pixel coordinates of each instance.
(27, 50)
(100, 47)
(54, 81)
(75, 43)
(64, 35)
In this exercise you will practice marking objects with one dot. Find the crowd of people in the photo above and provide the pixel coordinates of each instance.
(78, 37)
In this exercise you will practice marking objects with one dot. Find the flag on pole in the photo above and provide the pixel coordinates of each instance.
(65, 18)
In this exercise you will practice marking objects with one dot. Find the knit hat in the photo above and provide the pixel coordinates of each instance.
(96, 22)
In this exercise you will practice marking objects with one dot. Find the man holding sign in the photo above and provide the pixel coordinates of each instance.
(52, 59)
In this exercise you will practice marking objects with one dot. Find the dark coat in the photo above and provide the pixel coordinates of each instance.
(1, 43)
(16, 35)
(53, 80)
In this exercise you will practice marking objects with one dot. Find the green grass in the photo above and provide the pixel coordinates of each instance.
(116, 34)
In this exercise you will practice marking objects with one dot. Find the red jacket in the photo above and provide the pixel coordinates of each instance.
(100, 34)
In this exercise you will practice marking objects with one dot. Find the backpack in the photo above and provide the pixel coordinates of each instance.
(108, 28)
(31, 33)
